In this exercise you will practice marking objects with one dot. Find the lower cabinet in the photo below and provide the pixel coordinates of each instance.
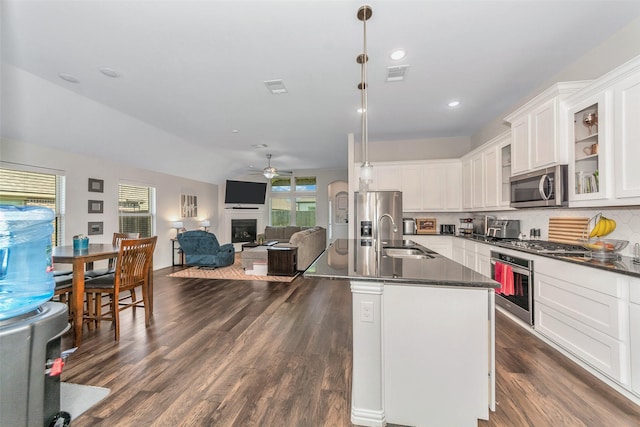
(587, 316)
(440, 244)
(634, 334)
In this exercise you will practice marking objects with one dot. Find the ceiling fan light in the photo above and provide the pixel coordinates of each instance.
(270, 172)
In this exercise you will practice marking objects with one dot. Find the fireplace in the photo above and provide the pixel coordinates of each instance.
(244, 230)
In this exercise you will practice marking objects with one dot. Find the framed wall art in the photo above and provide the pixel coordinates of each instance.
(95, 206)
(188, 206)
(426, 225)
(96, 185)
(95, 228)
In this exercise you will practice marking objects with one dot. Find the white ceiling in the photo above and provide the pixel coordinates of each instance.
(193, 71)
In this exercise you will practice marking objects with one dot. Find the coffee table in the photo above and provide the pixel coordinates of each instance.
(251, 254)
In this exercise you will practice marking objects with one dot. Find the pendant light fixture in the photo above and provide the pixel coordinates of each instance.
(366, 170)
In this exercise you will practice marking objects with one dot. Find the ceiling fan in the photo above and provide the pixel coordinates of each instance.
(271, 172)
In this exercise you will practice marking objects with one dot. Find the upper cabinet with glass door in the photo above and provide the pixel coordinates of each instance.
(588, 147)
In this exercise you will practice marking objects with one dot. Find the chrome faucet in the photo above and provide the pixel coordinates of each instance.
(378, 238)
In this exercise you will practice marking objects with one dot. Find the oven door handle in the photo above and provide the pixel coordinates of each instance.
(515, 269)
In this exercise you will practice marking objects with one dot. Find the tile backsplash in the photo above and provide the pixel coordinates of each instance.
(627, 219)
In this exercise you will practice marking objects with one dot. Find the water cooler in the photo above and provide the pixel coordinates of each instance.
(29, 383)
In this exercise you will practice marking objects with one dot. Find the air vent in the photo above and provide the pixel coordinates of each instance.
(276, 87)
(396, 73)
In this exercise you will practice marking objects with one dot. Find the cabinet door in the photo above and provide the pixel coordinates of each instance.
(466, 184)
(477, 181)
(433, 181)
(491, 180)
(386, 177)
(520, 145)
(504, 191)
(453, 187)
(412, 188)
(544, 141)
(589, 149)
(457, 254)
(634, 333)
(627, 137)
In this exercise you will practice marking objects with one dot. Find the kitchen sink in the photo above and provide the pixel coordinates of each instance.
(414, 253)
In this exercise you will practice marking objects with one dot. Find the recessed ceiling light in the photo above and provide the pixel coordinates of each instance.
(259, 145)
(454, 103)
(235, 131)
(109, 72)
(398, 54)
(68, 77)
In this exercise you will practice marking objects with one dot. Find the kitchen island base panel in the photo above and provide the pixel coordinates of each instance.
(422, 354)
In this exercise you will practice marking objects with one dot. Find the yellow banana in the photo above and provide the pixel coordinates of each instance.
(611, 225)
(597, 229)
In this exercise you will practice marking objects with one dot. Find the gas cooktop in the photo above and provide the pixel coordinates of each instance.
(544, 247)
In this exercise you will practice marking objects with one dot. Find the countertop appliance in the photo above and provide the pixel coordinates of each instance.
(408, 226)
(466, 227)
(504, 229)
(542, 188)
(520, 271)
(481, 224)
(377, 214)
(448, 229)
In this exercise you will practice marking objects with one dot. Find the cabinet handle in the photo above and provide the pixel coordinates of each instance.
(541, 188)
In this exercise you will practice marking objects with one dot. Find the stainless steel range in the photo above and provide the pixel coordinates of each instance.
(544, 247)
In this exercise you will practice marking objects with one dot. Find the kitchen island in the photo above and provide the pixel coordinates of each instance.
(423, 334)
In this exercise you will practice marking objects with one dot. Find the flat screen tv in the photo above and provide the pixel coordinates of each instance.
(245, 192)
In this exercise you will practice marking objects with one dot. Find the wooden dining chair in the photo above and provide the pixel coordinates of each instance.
(132, 270)
(117, 238)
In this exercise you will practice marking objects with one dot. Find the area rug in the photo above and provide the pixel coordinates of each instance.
(76, 398)
(232, 272)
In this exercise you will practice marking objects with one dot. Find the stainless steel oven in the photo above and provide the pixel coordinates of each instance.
(517, 297)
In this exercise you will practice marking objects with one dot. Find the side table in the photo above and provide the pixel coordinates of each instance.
(282, 260)
(175, 249)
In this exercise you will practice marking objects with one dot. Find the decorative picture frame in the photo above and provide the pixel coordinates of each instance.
(96, 185)
(95, 228)
(188, 206)
(426, 225)
(95, 206)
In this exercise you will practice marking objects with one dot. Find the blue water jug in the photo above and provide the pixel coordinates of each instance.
(26, 268)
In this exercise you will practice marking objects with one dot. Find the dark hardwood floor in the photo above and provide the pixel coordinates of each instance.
(232, 353)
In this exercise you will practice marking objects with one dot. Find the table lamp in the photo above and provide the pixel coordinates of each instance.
(177, 225)
(205, 224)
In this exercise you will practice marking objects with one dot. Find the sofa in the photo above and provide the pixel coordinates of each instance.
(310, 241)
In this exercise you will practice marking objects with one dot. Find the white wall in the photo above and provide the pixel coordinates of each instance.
(79, 168)
(415, 149)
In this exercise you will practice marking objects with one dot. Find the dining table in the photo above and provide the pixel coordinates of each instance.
(80, 258)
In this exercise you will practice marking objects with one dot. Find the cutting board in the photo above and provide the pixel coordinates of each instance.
(567, 229)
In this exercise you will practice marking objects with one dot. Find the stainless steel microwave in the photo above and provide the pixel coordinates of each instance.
(542, 188)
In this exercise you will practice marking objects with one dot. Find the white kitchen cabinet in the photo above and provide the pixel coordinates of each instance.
(411, 176)
(477, 180)
(504, 189)
(538, 130)
(441, 244)
(386, 177)
(467, 184)
(445, 193)
(458, 250)
(634, 334)
(626, 95)
(584, 311)
(491, 179)
(589, 146)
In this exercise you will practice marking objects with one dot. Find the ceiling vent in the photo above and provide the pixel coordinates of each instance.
(396, 73)
(276, 87)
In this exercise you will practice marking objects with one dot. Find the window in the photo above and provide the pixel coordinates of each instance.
(293, 204)
(136, 209)
(21, 188)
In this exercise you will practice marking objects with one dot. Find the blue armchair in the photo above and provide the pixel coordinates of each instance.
(201, 248)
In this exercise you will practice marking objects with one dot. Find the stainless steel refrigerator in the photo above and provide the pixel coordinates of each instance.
(377, 213)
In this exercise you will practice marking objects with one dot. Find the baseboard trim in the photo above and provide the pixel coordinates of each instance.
(368, 418)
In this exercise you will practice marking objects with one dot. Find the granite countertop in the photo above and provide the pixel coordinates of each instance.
(358, 260)
(624, 265)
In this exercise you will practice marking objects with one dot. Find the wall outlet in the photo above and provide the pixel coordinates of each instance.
(366, 311)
